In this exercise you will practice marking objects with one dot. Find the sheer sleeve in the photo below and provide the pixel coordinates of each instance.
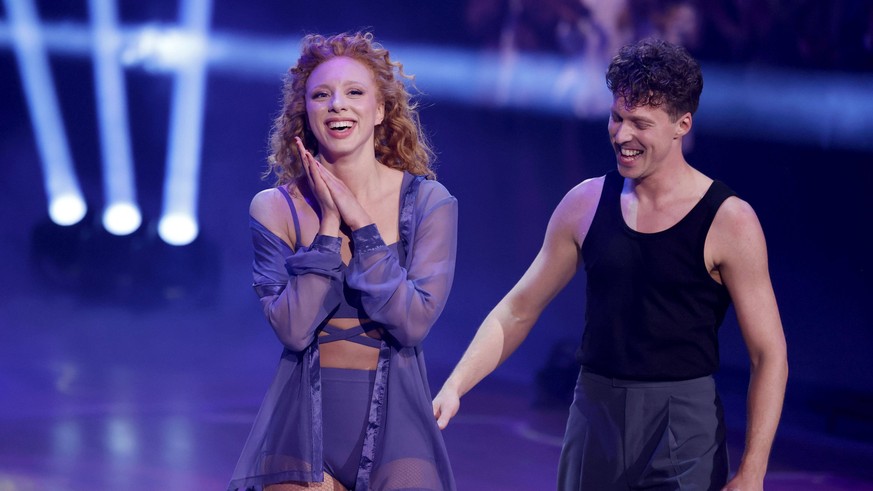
(298, 289)
(408, 300)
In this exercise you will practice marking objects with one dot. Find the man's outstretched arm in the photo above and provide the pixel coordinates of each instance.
(509, 323)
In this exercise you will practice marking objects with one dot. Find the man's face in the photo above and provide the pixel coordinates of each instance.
(644, 137)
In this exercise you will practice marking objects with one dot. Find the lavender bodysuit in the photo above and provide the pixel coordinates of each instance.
(402, 290)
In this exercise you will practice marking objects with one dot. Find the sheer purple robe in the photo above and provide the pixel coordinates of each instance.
(403, 447)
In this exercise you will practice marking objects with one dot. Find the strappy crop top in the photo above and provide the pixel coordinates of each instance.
(350, 306)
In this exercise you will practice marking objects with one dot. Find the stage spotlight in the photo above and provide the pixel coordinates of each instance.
(178, 229)
(67, 209)
(178, 223)
(66, 203)
(122, 218)
(121, 215)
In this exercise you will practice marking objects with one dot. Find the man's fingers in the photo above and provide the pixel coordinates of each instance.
(443, 421)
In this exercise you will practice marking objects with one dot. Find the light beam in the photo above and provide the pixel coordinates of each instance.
(181, 182)
(121, 215)
(66, 205)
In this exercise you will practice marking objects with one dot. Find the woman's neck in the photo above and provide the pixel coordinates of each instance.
(361, 175)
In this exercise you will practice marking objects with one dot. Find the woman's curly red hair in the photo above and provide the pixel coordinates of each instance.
(399, 140)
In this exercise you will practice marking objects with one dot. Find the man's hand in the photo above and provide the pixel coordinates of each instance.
(445, 406)
(742, 483)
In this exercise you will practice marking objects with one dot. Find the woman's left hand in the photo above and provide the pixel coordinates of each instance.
(353, 214)
(329, 216)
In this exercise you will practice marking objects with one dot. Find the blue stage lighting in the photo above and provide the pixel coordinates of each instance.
(121, 218)
(164, 48)
(240, 54)
(829, 109)
(65, 201)
(812, 105)
(121, 215)
(540, 82)
(67, 208)
(178, 228)
(178, 223)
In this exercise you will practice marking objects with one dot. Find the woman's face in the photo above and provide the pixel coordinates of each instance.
(343, 108)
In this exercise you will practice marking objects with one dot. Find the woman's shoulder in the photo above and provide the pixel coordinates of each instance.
(270, 207)
(432, 187)
(267, 202)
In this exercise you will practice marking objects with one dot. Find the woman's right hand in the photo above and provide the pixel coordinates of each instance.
(330, 217)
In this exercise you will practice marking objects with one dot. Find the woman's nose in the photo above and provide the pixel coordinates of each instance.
(337, 102)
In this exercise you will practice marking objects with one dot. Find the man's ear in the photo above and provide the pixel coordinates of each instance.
(683, 125)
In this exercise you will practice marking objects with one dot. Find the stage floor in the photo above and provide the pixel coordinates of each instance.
(105, 397)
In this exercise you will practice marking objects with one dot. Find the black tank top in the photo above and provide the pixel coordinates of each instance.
(653, 310)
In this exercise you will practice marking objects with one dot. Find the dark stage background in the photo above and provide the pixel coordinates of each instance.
(92, 323)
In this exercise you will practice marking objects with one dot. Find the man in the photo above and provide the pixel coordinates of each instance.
(666, 249)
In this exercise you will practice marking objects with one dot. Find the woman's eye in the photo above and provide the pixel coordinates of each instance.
(356, 92)
(319, 95)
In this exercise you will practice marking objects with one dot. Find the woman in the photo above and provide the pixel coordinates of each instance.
(354, 260)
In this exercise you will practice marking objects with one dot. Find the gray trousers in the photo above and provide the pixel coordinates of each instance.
(630, 435)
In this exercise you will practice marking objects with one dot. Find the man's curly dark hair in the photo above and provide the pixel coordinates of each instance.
(653, 72)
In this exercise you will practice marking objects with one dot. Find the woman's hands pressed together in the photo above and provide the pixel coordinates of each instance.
(338, 204)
